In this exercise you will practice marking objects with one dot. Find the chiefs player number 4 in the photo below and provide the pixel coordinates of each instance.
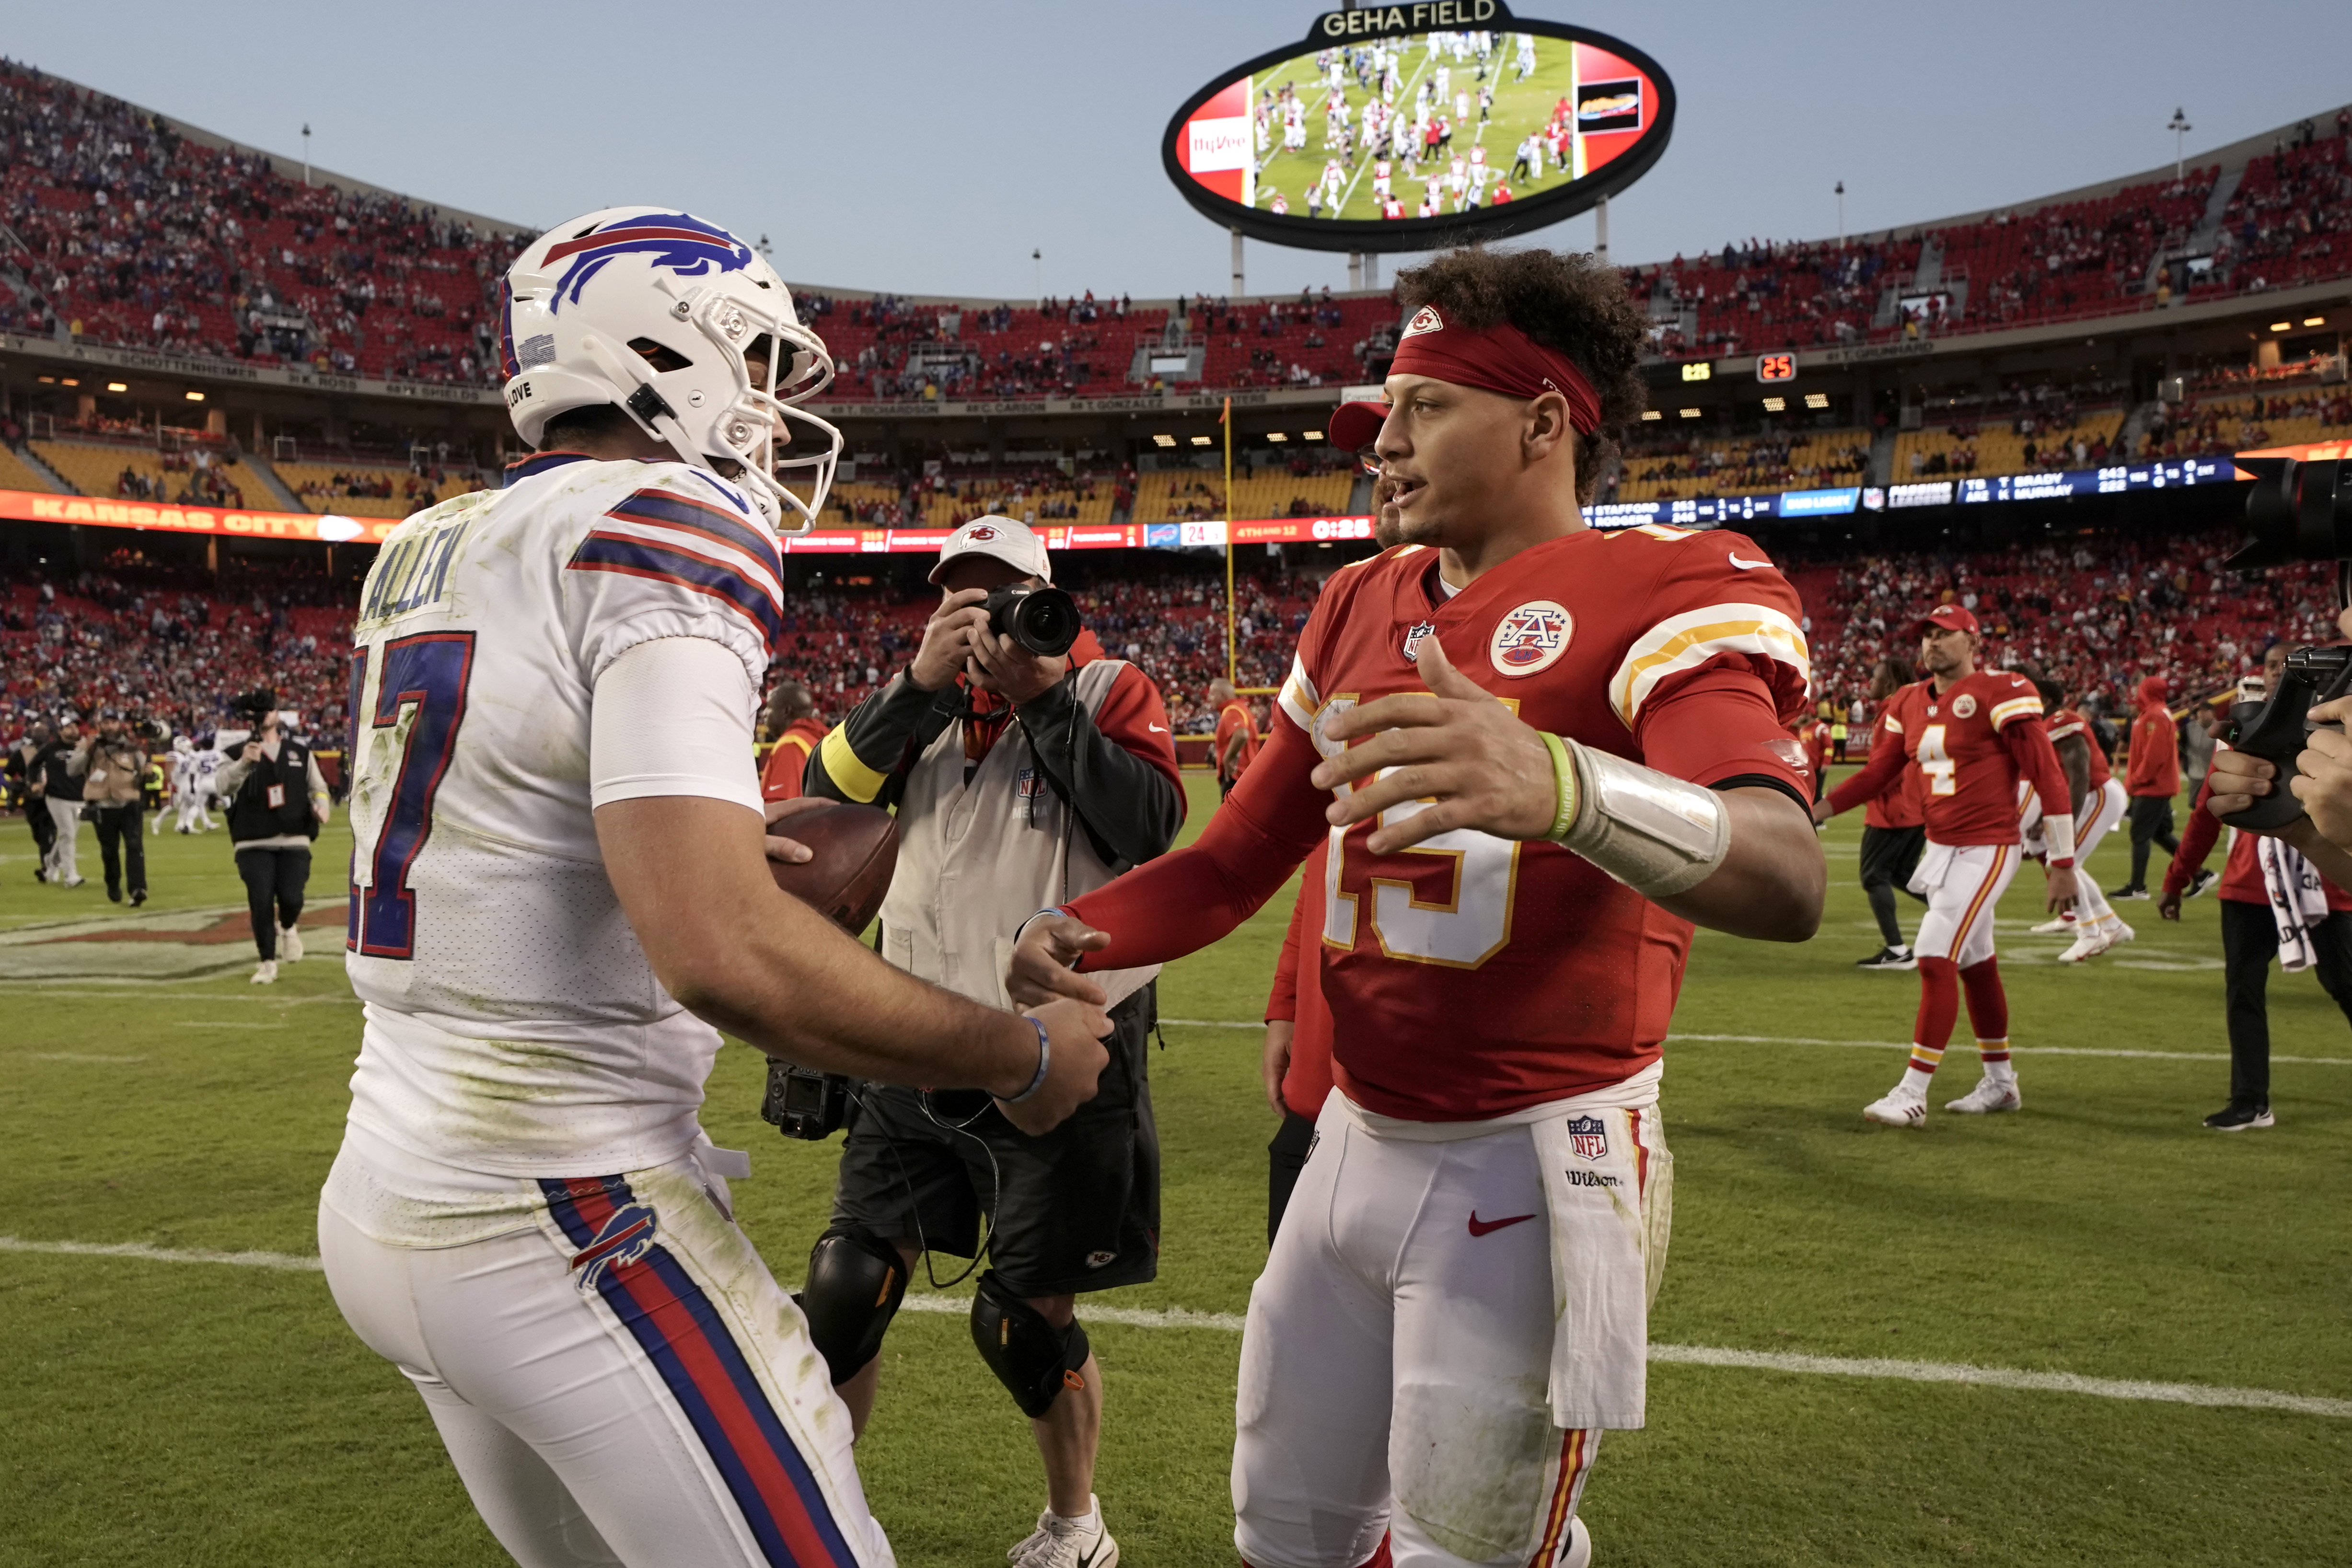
(1461, 932)
(1936, 764)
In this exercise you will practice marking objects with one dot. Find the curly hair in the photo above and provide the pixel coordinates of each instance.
(1567, 301)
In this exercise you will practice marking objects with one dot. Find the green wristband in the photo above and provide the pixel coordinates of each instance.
(1563, 773)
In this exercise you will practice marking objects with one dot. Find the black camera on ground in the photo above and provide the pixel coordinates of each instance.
(1043, 620)
(2298, 511)
(803, 1103)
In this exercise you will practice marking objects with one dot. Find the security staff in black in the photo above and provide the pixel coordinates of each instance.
(278, 801)
(1020, 781)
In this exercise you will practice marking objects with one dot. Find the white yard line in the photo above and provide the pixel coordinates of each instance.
(1685, 1355)
(1874, 1045)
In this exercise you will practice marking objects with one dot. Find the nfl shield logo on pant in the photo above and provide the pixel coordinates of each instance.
(1587, 1139)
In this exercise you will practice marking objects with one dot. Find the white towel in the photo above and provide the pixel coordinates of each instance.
(2298, 902)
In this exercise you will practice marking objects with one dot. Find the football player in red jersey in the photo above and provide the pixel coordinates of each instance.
(792, 722)
(2099, 802)
(1537, 753)
(1975, 735)
(1894, 828)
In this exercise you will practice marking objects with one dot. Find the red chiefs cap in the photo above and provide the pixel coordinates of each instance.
(1356, 426)
(1951, 618)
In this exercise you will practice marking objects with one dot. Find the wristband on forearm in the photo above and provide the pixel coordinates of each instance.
(1045, 1060)
(2058, 837)
(1658, 835)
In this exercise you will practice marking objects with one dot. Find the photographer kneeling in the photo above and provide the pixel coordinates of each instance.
(278, 801)
(1022, 779)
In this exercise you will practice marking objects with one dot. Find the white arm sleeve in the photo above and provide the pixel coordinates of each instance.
(673, 716)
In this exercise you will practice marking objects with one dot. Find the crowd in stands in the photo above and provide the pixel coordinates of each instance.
(188, 477)
(2208, 426)
(173, 645)
(133, 235)
(1672, 464)
(2096, 614)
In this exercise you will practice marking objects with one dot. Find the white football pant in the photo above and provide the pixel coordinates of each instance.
(2102, 812)
(625, 1384)
(1962, 885)
(1395, 1364)
(66, 817)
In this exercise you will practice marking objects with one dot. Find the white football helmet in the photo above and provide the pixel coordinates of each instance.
(653, 309)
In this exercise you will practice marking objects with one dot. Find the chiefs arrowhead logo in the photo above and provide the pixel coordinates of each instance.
(985, 531)
(1426, 319)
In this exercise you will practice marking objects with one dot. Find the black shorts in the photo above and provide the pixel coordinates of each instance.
(1076, 1209)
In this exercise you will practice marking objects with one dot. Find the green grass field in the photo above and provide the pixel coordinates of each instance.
(1520, 107)
(216, 1413)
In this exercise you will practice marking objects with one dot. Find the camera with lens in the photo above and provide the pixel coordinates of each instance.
(1043, 620)
(803, 1103)
(2298, 511)
(255, 705)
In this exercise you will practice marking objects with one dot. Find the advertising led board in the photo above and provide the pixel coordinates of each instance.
(1414, 127)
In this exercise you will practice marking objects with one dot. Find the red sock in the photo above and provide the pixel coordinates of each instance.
(1987, 1003)
(1939, 1007)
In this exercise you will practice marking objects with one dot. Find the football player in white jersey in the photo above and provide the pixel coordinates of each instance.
(559, 887)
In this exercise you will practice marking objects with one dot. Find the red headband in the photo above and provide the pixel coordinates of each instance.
(1500, 358)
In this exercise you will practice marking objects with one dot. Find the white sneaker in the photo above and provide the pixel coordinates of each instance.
(1059, 1543)
(1987, 1096)
(266, 973)
(2090, 944)
(1898, 1110)
(2119, 933)
(290, 945)
(78, 881)
(2054, 927)
(1580, 1546)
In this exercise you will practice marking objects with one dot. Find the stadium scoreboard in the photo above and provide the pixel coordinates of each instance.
(1404, 128)
(1776, 367)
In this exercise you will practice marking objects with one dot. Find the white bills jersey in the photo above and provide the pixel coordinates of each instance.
(515, 1026)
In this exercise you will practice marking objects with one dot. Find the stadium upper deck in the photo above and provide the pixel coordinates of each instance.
(160, 284)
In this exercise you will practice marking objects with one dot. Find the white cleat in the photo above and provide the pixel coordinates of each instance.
(1897, 1109)
(1579, 1551)
(2054, 927)
(1059, 1543)
(1987, 1097)
(290, 945)
(266, 973)
(2119, 933)
(2090, 944)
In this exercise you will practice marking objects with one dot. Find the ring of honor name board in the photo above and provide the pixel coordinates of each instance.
(1406, 127)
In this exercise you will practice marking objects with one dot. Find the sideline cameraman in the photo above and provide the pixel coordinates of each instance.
(25, 766)
(110, 762)
(1020, 781)
(2323, 785)
(59, 787)
(278, 801)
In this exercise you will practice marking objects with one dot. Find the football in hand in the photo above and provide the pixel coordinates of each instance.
(853, 850)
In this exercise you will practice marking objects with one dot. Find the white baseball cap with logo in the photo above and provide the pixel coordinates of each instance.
(1002, 538)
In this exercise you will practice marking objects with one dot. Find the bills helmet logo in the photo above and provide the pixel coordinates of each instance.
(1426, 319)
(1531, 637)
(626, 1238)
(682, 244)
(1587, 1138)
(1964, 707)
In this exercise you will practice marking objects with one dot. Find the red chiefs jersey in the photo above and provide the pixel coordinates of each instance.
(1955, 740)
(1235, 717)
(1906, 805)
(2065, 722)
(1471, 975)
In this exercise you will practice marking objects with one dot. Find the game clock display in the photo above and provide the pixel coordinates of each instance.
(1776, 367)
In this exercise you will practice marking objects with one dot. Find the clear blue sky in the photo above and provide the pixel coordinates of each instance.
(929, 147)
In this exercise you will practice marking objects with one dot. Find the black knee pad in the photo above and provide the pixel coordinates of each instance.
(855, 1281)
(1033, 1360)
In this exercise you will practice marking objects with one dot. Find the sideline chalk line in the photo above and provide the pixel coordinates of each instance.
(1684, 1355)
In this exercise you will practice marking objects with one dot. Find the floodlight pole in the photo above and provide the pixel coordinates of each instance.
(1238, 290)
(1232, 665)
(306, 152)
(1841, 196)
(2180, 127)
(1600, 230)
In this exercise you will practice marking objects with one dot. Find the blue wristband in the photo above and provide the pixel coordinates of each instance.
(1045, 1060)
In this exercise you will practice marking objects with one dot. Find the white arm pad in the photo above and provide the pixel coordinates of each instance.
(672, 716)
(2058, 836)
(1658, 835)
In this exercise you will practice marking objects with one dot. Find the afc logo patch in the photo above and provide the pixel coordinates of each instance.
(1964, 707)
(626, 1238)
(1531, 637)
(1587, 1138)
(1412, 640)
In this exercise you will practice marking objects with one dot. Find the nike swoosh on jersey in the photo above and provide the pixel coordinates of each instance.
(1157, 729)
(1482, 1226)
(1747, 565)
